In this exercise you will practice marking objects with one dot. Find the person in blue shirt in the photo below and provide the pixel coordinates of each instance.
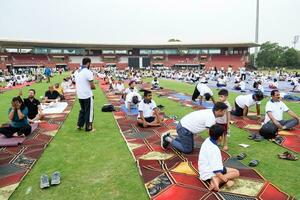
(19, 124)
(47, 73)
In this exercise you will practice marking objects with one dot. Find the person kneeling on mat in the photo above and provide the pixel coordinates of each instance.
(193, 123)
(19, 124)
(210, 163)
(203, 90)
(244, 102)
(148, 112)
(274, 117)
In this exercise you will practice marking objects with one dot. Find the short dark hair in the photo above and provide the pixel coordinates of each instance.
(216, 131)
(273, 92)
(207, 96)
(146, 92)
(135, 100)
(223, 92)
(220, 106)
(259, 95)
(32, 90)
(86, 61)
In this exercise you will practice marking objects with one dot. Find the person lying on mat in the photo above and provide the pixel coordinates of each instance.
(244, 102)
(274, 117)
(17, 114)
(193, 123)
(132, 101)
(51, 95)
(203, 90)
(210, 165)
(33, 105)
(148, 112)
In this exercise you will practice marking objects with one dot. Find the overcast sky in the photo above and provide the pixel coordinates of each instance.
(149, 21)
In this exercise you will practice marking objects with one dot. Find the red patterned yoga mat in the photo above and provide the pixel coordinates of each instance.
(169, 174)
(16, 162)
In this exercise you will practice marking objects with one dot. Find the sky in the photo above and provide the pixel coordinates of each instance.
(149, 21)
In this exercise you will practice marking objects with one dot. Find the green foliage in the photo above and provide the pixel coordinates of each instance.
(272, 55)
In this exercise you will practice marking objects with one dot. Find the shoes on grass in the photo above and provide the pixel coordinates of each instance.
(44, 181)
(55, 179)
(253, 163)
(241, 156)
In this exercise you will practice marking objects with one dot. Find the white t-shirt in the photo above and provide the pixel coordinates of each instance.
(129, 98)
(223, 119)
(83, 77)
(146, 108)
(243, 85)
(203, 88)
(120, 87)
(297, 87)
(276, 108)
(198, 121)
(210, 160)
(128, 90)
(246, 100)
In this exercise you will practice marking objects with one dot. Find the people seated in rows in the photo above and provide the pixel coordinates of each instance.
(131, 88)
(210, 165)
(66, 83)
(221, 82)
(193, 123)
(149, 114)
(51, 95)
(202, 90)
(19, 125)
(33, 105)
(273, 84)
(225, 119)
(155, 84)
(119, 87)
(274, 117)
(237, 78)
(244, 102)
(240, 86)
(132, 100)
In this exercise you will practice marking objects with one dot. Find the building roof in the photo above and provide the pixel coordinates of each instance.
(35, 43)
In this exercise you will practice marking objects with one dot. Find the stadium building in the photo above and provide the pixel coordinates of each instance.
(34, 54)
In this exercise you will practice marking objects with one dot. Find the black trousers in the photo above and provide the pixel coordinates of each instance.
(9, 131)
(86, 113)
(196, 94)
(238, 111)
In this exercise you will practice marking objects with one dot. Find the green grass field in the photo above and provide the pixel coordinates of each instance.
(99, 165)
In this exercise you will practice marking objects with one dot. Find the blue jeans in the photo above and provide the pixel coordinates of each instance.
(184, 142)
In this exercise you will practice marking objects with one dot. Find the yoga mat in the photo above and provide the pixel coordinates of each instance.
(58, 107)
(134, 111)
(10, 142)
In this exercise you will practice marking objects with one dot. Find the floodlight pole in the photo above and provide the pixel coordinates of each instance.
(256, 30)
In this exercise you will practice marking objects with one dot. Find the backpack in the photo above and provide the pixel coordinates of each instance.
(108, 108)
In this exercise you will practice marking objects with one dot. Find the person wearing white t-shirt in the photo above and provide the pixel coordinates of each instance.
(148, 112)
(210, 163)
(244, 102)
(296, 87)
(274, 117)
(84, 79)
(132, 100)
(273, 84)
(203, 90)
(155, 84)
(193, 123)
(130, 89)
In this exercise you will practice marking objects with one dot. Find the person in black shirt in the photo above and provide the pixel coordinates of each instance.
(51, 95)
(34, 107)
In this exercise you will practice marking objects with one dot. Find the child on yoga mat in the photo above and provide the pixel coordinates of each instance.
(225, 119)
(210, 163)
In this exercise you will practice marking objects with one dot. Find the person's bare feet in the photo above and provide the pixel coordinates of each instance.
(230, 183)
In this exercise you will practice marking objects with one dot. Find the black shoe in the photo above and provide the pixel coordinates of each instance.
(55, 179)
(163, 142)
(44, 181)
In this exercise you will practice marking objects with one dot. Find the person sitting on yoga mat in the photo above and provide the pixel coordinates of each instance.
(155, 84)
(51, 95)
(132, 101)
(119, 87)
(130, 89)
(221, 82)
(274, 117)
(148, 112)
(60, 90)
(193, 123)
(203, 90)
(240, 86)
(210, 165)
(33, 105)
(244, 102)
(296, 87)
(17, 114)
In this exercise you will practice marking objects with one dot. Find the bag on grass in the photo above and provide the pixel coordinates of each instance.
(108, 108)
